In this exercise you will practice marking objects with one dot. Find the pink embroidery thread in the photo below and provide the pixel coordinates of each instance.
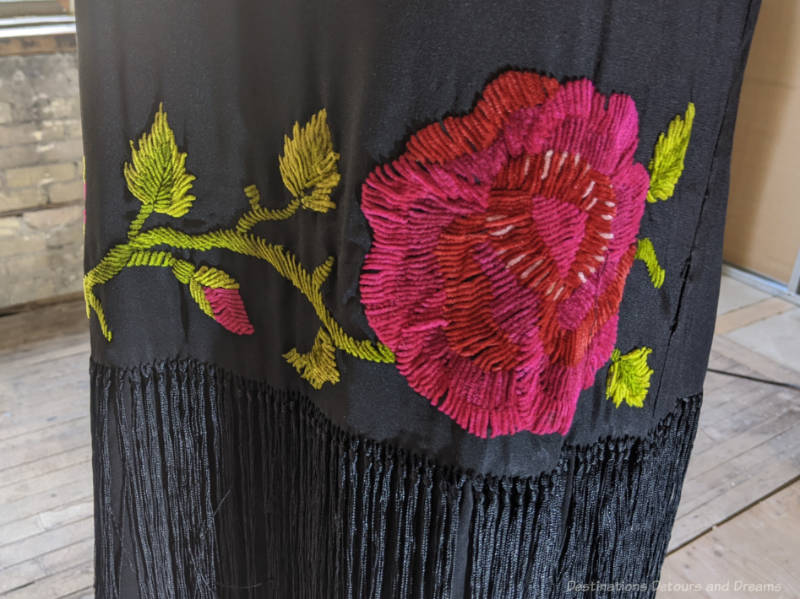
(229, 310)
(501, 244)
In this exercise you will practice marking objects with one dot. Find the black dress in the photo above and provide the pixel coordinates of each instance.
(400, 298)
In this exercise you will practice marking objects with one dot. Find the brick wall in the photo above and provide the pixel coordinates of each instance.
(41, 188)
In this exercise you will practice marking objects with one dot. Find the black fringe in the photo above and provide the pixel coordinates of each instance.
(208, 485)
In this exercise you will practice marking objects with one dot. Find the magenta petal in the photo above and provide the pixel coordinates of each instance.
(229, 310)
(501, 245)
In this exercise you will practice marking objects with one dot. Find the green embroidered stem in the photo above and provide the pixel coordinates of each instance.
(147, 258)
(182, 269)
(111, 264)
(137, 223)
(109, 267)
(186, 273)
(92, 303)
(647, 254)
(247, 244)
(119, 257)
(157, 177)
(308, 163)
(258, 213)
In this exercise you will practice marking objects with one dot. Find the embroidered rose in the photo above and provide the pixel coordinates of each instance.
(501, 244)
(217, 294)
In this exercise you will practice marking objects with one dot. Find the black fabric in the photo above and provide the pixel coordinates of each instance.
(234, 77)
(210, 485)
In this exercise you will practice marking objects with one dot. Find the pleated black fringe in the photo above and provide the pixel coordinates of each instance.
(208, 485)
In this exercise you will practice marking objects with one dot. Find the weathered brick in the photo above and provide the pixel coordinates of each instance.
(51, 74)
(72, 128)
(28, 176)
(52, 218)
(24, 155)
(39, 131)
(59, 108)
(6, 115)
(42, 153)
(16, 239)
(13, 75)
(64, 191)
(25, 133)
(41, 275)
(39, 86)
(41, 254)
(65, 237)
(13, 200)
(60, 151)
(10, 227)
(41, 243)
(17, 91)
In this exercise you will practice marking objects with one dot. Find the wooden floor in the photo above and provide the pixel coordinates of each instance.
(739, 518)
(45, 469)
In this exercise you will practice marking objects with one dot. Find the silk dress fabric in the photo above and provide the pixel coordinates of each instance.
(233, 78)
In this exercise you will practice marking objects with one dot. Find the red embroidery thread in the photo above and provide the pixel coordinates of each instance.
(501, 244)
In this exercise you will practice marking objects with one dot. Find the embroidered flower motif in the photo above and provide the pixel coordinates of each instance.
(217, 294)
(501, 244)
(158, 178)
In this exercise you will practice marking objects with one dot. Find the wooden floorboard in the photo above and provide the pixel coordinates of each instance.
(52, 463)
(45, 520)
(741, 482)
(45, 482)
(32, 446)
(736, 484)
(63, 584)
(47, 500)
(46, 324)
(748, 441)
(33, 546)
(747, 315)
(46, 529)
(48, 564)
(757, 547)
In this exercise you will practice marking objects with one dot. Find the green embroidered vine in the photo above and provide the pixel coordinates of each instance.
(629, 375)
(647, 254)
(157, 177)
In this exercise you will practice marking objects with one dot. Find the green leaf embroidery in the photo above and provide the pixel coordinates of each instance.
(215, 278)
(318, 366)
(309, 163)
(157, 175)
(647, 254)
(158, 178)
(204, 277)
(666, 165)
(628, 377)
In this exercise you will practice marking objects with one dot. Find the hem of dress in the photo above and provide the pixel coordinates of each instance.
(207, 484)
